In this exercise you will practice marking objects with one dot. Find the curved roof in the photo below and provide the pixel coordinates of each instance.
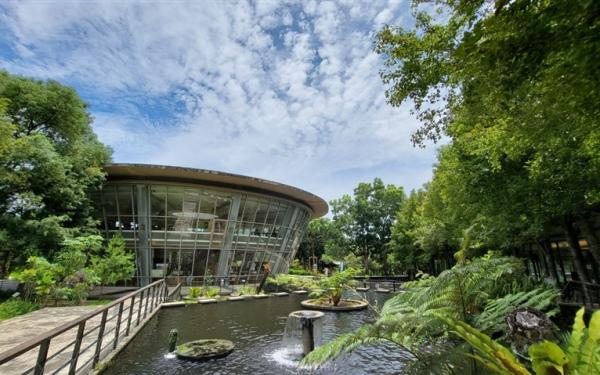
(214, 178)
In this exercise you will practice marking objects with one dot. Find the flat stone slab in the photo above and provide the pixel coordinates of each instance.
(382, 290)
(344, 305)
(300, 291)
(203, 350)
(363, 289)
(259, 296)
(236, 298)
(207, 300)
(281, 294)
(173, 304)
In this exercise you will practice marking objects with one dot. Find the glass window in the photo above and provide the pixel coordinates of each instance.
(158, 195)
(158, 223)
(174, 201)
(249, 210)
(125, 200)
(261, 212)
(200, 262)
(222, 209)
(108, 200)
(273, 212)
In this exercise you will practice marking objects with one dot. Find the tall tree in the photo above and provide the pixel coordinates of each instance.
(515, 86)
(366, 219)
(50, 162)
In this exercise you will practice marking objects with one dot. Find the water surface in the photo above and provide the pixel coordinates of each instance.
(256, 327)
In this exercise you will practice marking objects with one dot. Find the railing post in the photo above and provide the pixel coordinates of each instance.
(118, 328)
(100, 335)
(130, 314)
(140, 308)
(154, 295)
(41, 359)
(76, 347)
(146, 304)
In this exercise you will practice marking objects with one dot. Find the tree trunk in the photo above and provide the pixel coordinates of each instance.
(366, 259)
(573, 241)
(592, 239)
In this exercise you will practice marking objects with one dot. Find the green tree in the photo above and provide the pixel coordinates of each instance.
(115, 264)
(366, 219)
(50, 163)
(514, 86)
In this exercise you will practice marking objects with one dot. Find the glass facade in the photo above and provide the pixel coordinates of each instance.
(201, 235)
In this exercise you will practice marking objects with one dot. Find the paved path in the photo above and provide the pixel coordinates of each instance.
(26, 327)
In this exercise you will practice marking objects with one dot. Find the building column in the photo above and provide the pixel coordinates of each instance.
(226, 251)
(143, 231)
(280, 265)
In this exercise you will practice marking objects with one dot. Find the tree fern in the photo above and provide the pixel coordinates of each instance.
(491, 320)
(547, 358)
(410, 319)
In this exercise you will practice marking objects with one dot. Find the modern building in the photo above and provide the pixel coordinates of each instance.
(204, 227)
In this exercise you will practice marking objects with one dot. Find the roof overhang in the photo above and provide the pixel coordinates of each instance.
(218, 179)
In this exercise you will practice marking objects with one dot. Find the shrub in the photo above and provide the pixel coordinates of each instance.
(210, 291)
(298, 271)
(15, 307)
(290, 283)
(246, 290)
(194, 292)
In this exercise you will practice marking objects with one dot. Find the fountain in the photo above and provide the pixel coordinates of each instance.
(303, 332)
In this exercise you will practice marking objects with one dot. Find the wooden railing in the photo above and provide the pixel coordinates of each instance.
(175, 294)
(79, 345)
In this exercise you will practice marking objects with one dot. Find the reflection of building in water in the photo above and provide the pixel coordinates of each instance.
(196, 226)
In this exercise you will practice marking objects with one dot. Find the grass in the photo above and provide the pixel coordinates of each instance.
(98, 302)
(15, 307)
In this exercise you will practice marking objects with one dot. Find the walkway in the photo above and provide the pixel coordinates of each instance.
(25, 327)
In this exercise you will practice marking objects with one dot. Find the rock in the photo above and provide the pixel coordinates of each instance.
(526, 326)
(203, 350)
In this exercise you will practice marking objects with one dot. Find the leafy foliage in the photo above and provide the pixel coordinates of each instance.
(115, 264)
(547, 358)
(334, 285)
(15, 307)
(210, 291)
(365, 219)
(194, 292)
(491, 320)
(50, 164)
(412, 319)
(290, 283)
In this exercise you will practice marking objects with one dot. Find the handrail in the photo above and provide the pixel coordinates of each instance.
(159, 293)
(172, 293)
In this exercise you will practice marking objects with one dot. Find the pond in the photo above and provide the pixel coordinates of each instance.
(256, 327)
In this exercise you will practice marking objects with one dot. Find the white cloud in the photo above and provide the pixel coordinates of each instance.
(287, 91)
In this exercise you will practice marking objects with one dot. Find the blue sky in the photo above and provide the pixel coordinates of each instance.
(283, 90)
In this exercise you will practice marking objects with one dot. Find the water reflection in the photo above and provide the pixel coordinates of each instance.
(256, 327)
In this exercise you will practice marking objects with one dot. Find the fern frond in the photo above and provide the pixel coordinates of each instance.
(576, 338)
(493, 355)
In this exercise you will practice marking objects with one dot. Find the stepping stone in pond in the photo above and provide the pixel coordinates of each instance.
(207, 300)
(173, 304)
(236, 298)
(382, 290)
(300, 292)
(259, 296)
(281, 294)
(360, 289)
(203, 350)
